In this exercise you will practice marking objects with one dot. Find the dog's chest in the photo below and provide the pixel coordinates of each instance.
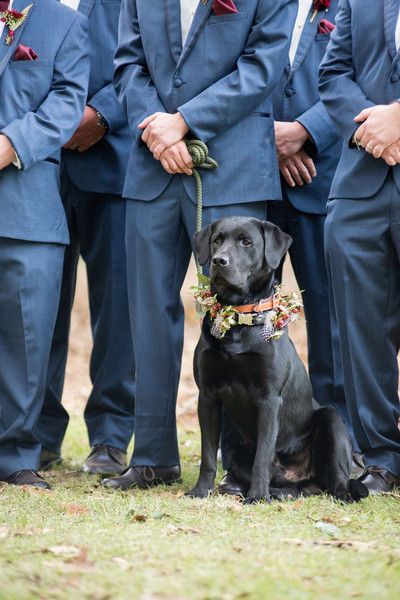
(233, 374)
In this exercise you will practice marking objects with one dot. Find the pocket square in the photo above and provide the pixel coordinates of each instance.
(25, 53)
(325, 27)
(224, 7)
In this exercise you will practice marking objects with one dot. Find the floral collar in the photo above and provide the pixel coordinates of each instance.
(285, 308)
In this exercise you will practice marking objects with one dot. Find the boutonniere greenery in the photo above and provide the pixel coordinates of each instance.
(318, 6)
(287, 309)
(13, 19)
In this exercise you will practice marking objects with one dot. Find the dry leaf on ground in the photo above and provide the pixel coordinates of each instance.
(75, 509)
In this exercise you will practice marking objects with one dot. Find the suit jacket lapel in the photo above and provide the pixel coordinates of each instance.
(85, 7)
(6, 51)
(199, 20)
(307, 38)
(173, 16)
(391, 14)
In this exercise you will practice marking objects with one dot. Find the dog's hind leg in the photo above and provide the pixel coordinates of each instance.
(331, 456)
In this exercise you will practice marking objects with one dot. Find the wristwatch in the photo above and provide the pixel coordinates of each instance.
(101, 122)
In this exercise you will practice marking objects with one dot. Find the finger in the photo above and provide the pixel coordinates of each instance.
(175, 155)
(369, 147)
(166, 166)
(173, 165)
(367, 142)
(389, 160)
(147, 121)
(185, 160)
(363, 115)
(360, 132)
(310, 166)
(289, 179)
(378, 150)
(158, 150)
(146, 135)
(304, 173)
(295, 174)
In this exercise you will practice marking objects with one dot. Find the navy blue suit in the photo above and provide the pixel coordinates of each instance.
(303, 209)
(41, 105)
(91, 187)
(221, 82)
(361, 69)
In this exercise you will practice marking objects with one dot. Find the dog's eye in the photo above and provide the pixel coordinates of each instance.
(245, 242)
(217, 241)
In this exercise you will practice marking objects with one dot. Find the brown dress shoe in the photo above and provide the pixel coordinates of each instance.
(230, 485)
(144, 477)
(105, 460)
(27, 477)
(378, 480)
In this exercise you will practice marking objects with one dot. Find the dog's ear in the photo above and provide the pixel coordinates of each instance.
(202, 245)
(276, 244)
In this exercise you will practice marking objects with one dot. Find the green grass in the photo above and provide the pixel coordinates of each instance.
(80, 541)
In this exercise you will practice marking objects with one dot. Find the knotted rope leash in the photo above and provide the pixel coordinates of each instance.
(201, 160)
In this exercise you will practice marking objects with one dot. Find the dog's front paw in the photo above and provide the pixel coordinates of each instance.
(199, 492)
(255, 499)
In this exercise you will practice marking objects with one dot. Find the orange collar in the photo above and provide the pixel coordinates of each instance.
(261, 306)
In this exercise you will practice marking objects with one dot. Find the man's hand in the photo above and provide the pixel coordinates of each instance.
(163, 130)
(176, 159)
(7, 152)
(380, 128)
(298, 169)
(290, 138)
(88, 132)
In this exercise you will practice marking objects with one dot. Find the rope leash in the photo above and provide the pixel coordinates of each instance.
(201, 160)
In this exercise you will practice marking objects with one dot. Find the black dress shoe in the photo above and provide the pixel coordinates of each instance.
(378, 480)
(232, 486)
(49, 459)
(144, 477)
(27, 477)
(357, 464)
(105, 460)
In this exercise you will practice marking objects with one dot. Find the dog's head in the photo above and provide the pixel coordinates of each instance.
(243, 254)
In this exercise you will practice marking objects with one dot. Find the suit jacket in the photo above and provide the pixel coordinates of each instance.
(297, 98)
(361, 69)
(102, 167)
(221, 82)
(41, 105)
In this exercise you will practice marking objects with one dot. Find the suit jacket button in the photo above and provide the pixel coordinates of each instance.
(178, 83)
(394, 78)
(289, 93)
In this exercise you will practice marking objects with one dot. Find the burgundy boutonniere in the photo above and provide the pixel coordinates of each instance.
(13, 19)
(317, 6)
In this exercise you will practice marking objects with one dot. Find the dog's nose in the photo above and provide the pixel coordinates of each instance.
(221, 261)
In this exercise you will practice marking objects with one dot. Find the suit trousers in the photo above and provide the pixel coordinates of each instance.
(158, 241)
(308, 262)
(97, 231)
(363, 257)
(30, 275)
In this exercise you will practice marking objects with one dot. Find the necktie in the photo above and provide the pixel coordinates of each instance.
(4, 5)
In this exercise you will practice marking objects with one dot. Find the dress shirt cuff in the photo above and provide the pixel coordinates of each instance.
(17, 163)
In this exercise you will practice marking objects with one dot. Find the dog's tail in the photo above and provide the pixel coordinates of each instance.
(357, 490)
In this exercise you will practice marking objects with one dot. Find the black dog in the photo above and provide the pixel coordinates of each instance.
(295, 446)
